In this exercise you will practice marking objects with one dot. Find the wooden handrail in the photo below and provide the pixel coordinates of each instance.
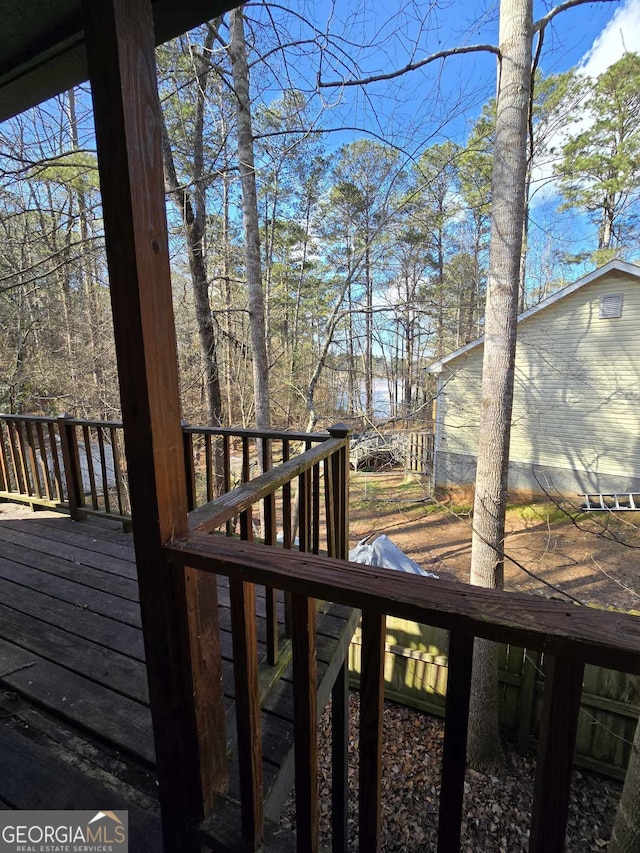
(238, 432)
(569, 634)
(215, 513)
(604, 638)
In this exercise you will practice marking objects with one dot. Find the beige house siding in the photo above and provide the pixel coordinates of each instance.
(576, 416)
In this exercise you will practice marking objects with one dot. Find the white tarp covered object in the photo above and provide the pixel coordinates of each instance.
(382, 552)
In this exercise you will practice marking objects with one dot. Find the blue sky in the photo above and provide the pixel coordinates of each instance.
(442, 100)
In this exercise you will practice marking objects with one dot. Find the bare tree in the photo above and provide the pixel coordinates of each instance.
(240, 73)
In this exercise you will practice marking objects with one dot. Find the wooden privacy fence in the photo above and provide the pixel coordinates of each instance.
(416, 669)
(79, 465)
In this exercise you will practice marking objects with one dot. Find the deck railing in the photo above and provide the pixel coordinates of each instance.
(569, 635)
(79, 464)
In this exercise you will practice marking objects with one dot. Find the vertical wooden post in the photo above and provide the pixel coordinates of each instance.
(455, 741)
(189, 466)
(178, 607)
(340, 761)
(370, 746)
(527, 698)
(341, 494)
(71, 465)
(558, 729)
(303, 619)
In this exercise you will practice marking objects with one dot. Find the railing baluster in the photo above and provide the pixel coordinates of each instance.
(340, 761)
(103, 469)
(208, 467)
(115, 452)
(286, 501)
(46, 471)
(370, 746)
(22, 456)
(15, 457)
(245, 664)
(57, 474)
(269, 535)
(189, 467)
(303, 616)
(88, 453)
(226, 474)
(329, 505)
(4, 463)
(286, 534)
(558, 728)
(304, 510)
(315, 503)
(246, 517)
(455, 740)
(33, 460)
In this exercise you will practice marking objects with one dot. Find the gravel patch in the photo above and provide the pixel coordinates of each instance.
(496, 811)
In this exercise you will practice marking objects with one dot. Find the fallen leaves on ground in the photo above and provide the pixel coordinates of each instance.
(496, 809)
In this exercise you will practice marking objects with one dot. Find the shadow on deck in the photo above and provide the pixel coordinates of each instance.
(76, 729)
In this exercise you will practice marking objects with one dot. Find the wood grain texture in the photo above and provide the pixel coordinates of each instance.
(455, 741)
(245, 665)
(303, 622)
(581, 633)
(340, 762)
(558, 727)
(370, 744)
(120, 50)
(212, 515)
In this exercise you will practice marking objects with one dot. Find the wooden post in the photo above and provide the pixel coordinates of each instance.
(179, 608)
(455, 740)
(558, 728)
(303, 618)
(370, 746)
(341, 498)
(71, 464)
(189, 465)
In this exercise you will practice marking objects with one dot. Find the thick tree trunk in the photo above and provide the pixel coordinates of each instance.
(507, 209)
(625, 837)
(240, 72)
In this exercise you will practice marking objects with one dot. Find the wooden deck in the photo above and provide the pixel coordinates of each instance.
(76, 727)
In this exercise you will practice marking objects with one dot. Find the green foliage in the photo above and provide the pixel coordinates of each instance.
(600, 170)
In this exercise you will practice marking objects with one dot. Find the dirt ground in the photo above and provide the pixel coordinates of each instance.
(594, 556)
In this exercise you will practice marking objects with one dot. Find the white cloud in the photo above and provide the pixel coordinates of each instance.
(621, 34)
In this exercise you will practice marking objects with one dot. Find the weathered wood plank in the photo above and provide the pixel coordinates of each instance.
(86, 536)
(17, 532)
(76, 619)
(31, 779)
(580, 633)
(558, 726)
(370, 743)
(340, 762)
(104, 666)
(455, 741)
(303, 621)
(245, 666)
(71, 590)
(109, 715)
(114, 584)
(214, 514)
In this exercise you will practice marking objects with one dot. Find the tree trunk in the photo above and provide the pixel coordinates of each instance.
(508, 204)
(240, 72)
(625, 837)
(193, 211)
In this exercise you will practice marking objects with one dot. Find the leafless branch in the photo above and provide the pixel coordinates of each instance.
(412, 66)
(561, 7)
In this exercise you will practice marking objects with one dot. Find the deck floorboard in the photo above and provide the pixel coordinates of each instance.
(72, 671)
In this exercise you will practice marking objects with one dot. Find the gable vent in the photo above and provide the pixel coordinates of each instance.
(611, 306)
